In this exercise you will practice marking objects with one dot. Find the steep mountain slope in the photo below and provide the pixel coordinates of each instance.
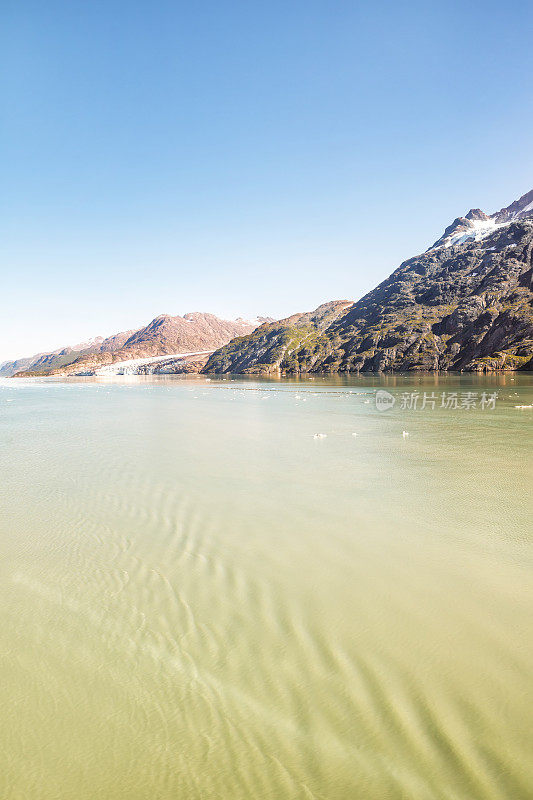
(163, 335)
(271, 347)
(461, 306)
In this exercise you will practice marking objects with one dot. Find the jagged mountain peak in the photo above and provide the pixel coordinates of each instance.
(477, 224)
(521, 208)
(477, 214)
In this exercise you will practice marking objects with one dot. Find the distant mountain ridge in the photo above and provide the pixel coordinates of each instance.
(464, 304)
(42, 361)
(164, 335)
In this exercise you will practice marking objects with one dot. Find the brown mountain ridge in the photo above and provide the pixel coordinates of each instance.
(164, 335)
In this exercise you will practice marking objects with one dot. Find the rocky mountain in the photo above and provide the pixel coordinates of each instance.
(464, 304)
(271, 346)
(167, 334)
(164, 335)
(476, 224)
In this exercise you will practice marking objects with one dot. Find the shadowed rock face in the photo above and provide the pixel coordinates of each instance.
(463, 307)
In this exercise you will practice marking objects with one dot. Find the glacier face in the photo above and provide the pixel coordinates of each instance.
(153, 364)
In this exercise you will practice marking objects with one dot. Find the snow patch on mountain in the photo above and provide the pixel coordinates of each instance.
(476, 225)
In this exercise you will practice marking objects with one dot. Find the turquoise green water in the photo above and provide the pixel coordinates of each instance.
(201, 600)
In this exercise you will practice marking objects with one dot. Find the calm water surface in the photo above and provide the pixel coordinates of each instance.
(201, 600)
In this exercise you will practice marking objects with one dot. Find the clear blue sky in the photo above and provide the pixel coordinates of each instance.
(243, 157)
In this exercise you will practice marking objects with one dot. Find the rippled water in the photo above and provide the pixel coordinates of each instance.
(201, 600)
